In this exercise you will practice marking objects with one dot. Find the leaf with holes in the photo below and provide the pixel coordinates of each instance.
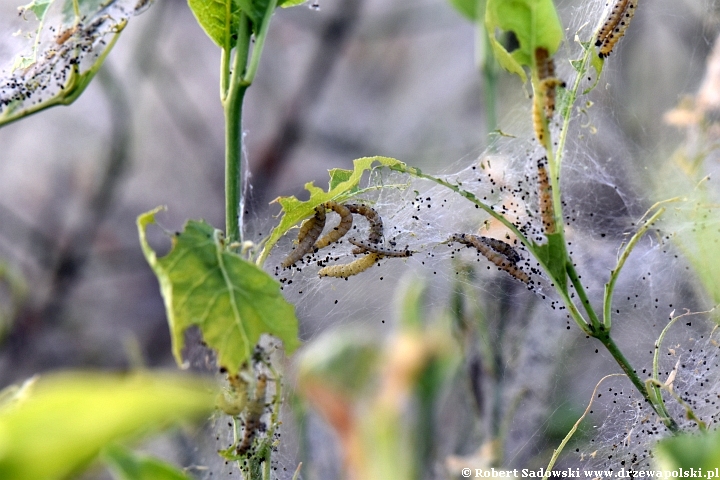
(231, 300)
(534, 23)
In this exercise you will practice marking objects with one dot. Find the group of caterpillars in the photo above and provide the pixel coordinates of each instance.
(612, 30)
(309, 240)
(615, 26)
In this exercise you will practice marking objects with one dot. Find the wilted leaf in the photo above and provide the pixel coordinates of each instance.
(231, 300)
(65, 419)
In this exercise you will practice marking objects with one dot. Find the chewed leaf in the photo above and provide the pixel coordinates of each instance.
(64, 420)
(38, 7)
(343, 185)
(535, 23)
(231, 300)
(212, 15)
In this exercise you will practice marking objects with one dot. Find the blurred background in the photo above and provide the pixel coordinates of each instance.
(338, 80)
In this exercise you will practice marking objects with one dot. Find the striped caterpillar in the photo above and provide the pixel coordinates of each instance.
(341, 229)
(499, 259)
(309, 232)
(376, 224)
(255, 409)
(545, 201)
(548, 81)
(615, 26)
(353, 268)
(366, 246)
(503, 248)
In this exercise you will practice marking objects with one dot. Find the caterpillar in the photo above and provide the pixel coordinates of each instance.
(538, 120)
(309, 232)
(353, 268)
(65, 35)
(341, 229)
(366, 246)
(376, 223)
(255, 409)
(615, 26)
(502, 248)
(545, 201)
(548, 81)
(500, 260)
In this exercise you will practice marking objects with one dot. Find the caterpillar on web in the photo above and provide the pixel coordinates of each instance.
(366, 246)
(353, 268)
(376, 223)
(548, 82)
(615, 26)
(500, 260)
(341, 229)
(503, 248)
(545, 201)
(255, 409)
(310, 230)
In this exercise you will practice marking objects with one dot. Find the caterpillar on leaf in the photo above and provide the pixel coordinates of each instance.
(309, 232)
(500, 260)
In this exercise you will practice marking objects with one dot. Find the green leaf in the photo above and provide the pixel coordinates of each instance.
(342, 187)
(38, 7)
(689, 451)
(127, 465)
(66, 419)
(535, 23)
(470, 9)
(231, 300)
(291, 3)
(212, 16)
(552, 254)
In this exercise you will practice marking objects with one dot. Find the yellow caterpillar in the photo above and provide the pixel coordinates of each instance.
(353, 268)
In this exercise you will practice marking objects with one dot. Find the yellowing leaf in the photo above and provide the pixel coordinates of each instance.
(231, 300)
(65, 419)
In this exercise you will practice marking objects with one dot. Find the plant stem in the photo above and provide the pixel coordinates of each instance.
(232, 105)
(609, 343)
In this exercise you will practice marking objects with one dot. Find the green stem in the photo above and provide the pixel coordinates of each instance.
(580, 289)
(259, 44)
(611, 347)
(233, 133)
